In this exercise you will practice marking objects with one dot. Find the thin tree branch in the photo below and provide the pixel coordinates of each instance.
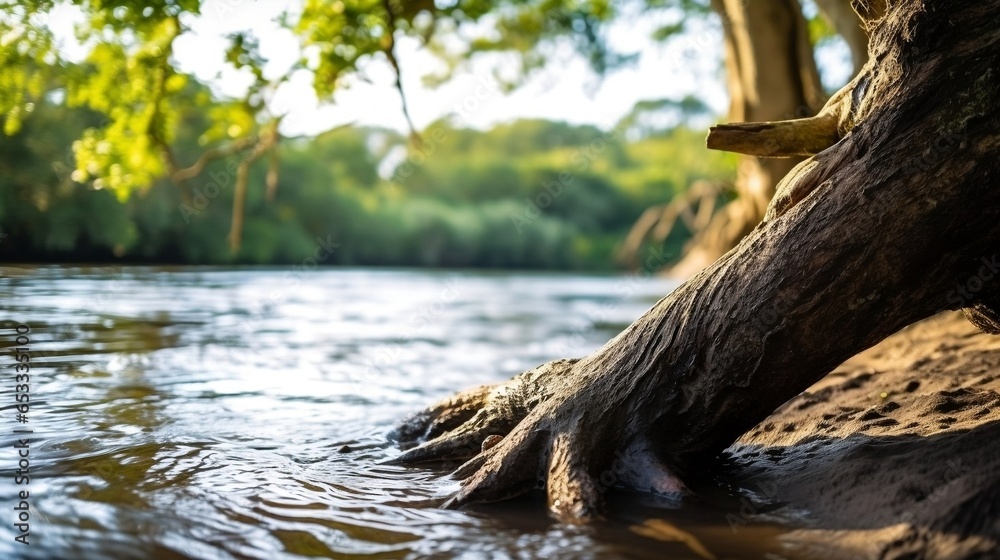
(268, 138)
(390, 53)
(211, 155)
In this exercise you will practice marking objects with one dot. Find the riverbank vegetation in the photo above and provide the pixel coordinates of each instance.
(530, 194)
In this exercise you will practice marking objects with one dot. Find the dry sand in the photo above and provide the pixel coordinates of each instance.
(896, 454)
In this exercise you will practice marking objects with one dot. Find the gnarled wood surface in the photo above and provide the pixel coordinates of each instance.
(864, 238)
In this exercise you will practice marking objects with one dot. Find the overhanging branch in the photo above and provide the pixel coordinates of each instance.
(390, 53)
(188, 173)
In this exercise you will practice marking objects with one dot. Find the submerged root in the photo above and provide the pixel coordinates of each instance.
(457, 427)
(534, 433)
(444, 416)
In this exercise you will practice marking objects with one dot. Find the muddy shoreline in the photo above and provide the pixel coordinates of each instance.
(896, 454)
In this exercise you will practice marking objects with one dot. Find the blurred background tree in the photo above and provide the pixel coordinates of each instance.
(121, 155)
(771, 75)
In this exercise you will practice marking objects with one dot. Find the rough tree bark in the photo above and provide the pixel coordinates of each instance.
(862, 239)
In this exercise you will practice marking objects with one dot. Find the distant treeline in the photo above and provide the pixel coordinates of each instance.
(529, 194)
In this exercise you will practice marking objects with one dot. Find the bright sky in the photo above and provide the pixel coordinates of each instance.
(566, 90)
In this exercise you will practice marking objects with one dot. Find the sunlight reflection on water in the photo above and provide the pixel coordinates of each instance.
(205, 412)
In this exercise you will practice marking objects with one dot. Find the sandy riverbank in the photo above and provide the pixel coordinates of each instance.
(896, 454)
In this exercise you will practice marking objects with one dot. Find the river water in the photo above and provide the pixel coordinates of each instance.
(241, 413)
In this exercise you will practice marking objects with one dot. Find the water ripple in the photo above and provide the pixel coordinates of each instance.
(213, 413)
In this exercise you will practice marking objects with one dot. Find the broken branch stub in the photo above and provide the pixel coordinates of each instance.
(798, 137)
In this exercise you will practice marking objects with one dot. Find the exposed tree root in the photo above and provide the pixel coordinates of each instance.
(461, 426)
(533, 433)
(862, 240)
(987, 319)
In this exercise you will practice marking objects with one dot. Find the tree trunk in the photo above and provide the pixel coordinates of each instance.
(848, 25)
(771, 75)
(886, 227)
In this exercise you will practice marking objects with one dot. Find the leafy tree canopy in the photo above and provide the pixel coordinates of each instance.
(129, 79)
(129, 75)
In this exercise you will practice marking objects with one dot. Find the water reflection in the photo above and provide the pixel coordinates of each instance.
(212, 413)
